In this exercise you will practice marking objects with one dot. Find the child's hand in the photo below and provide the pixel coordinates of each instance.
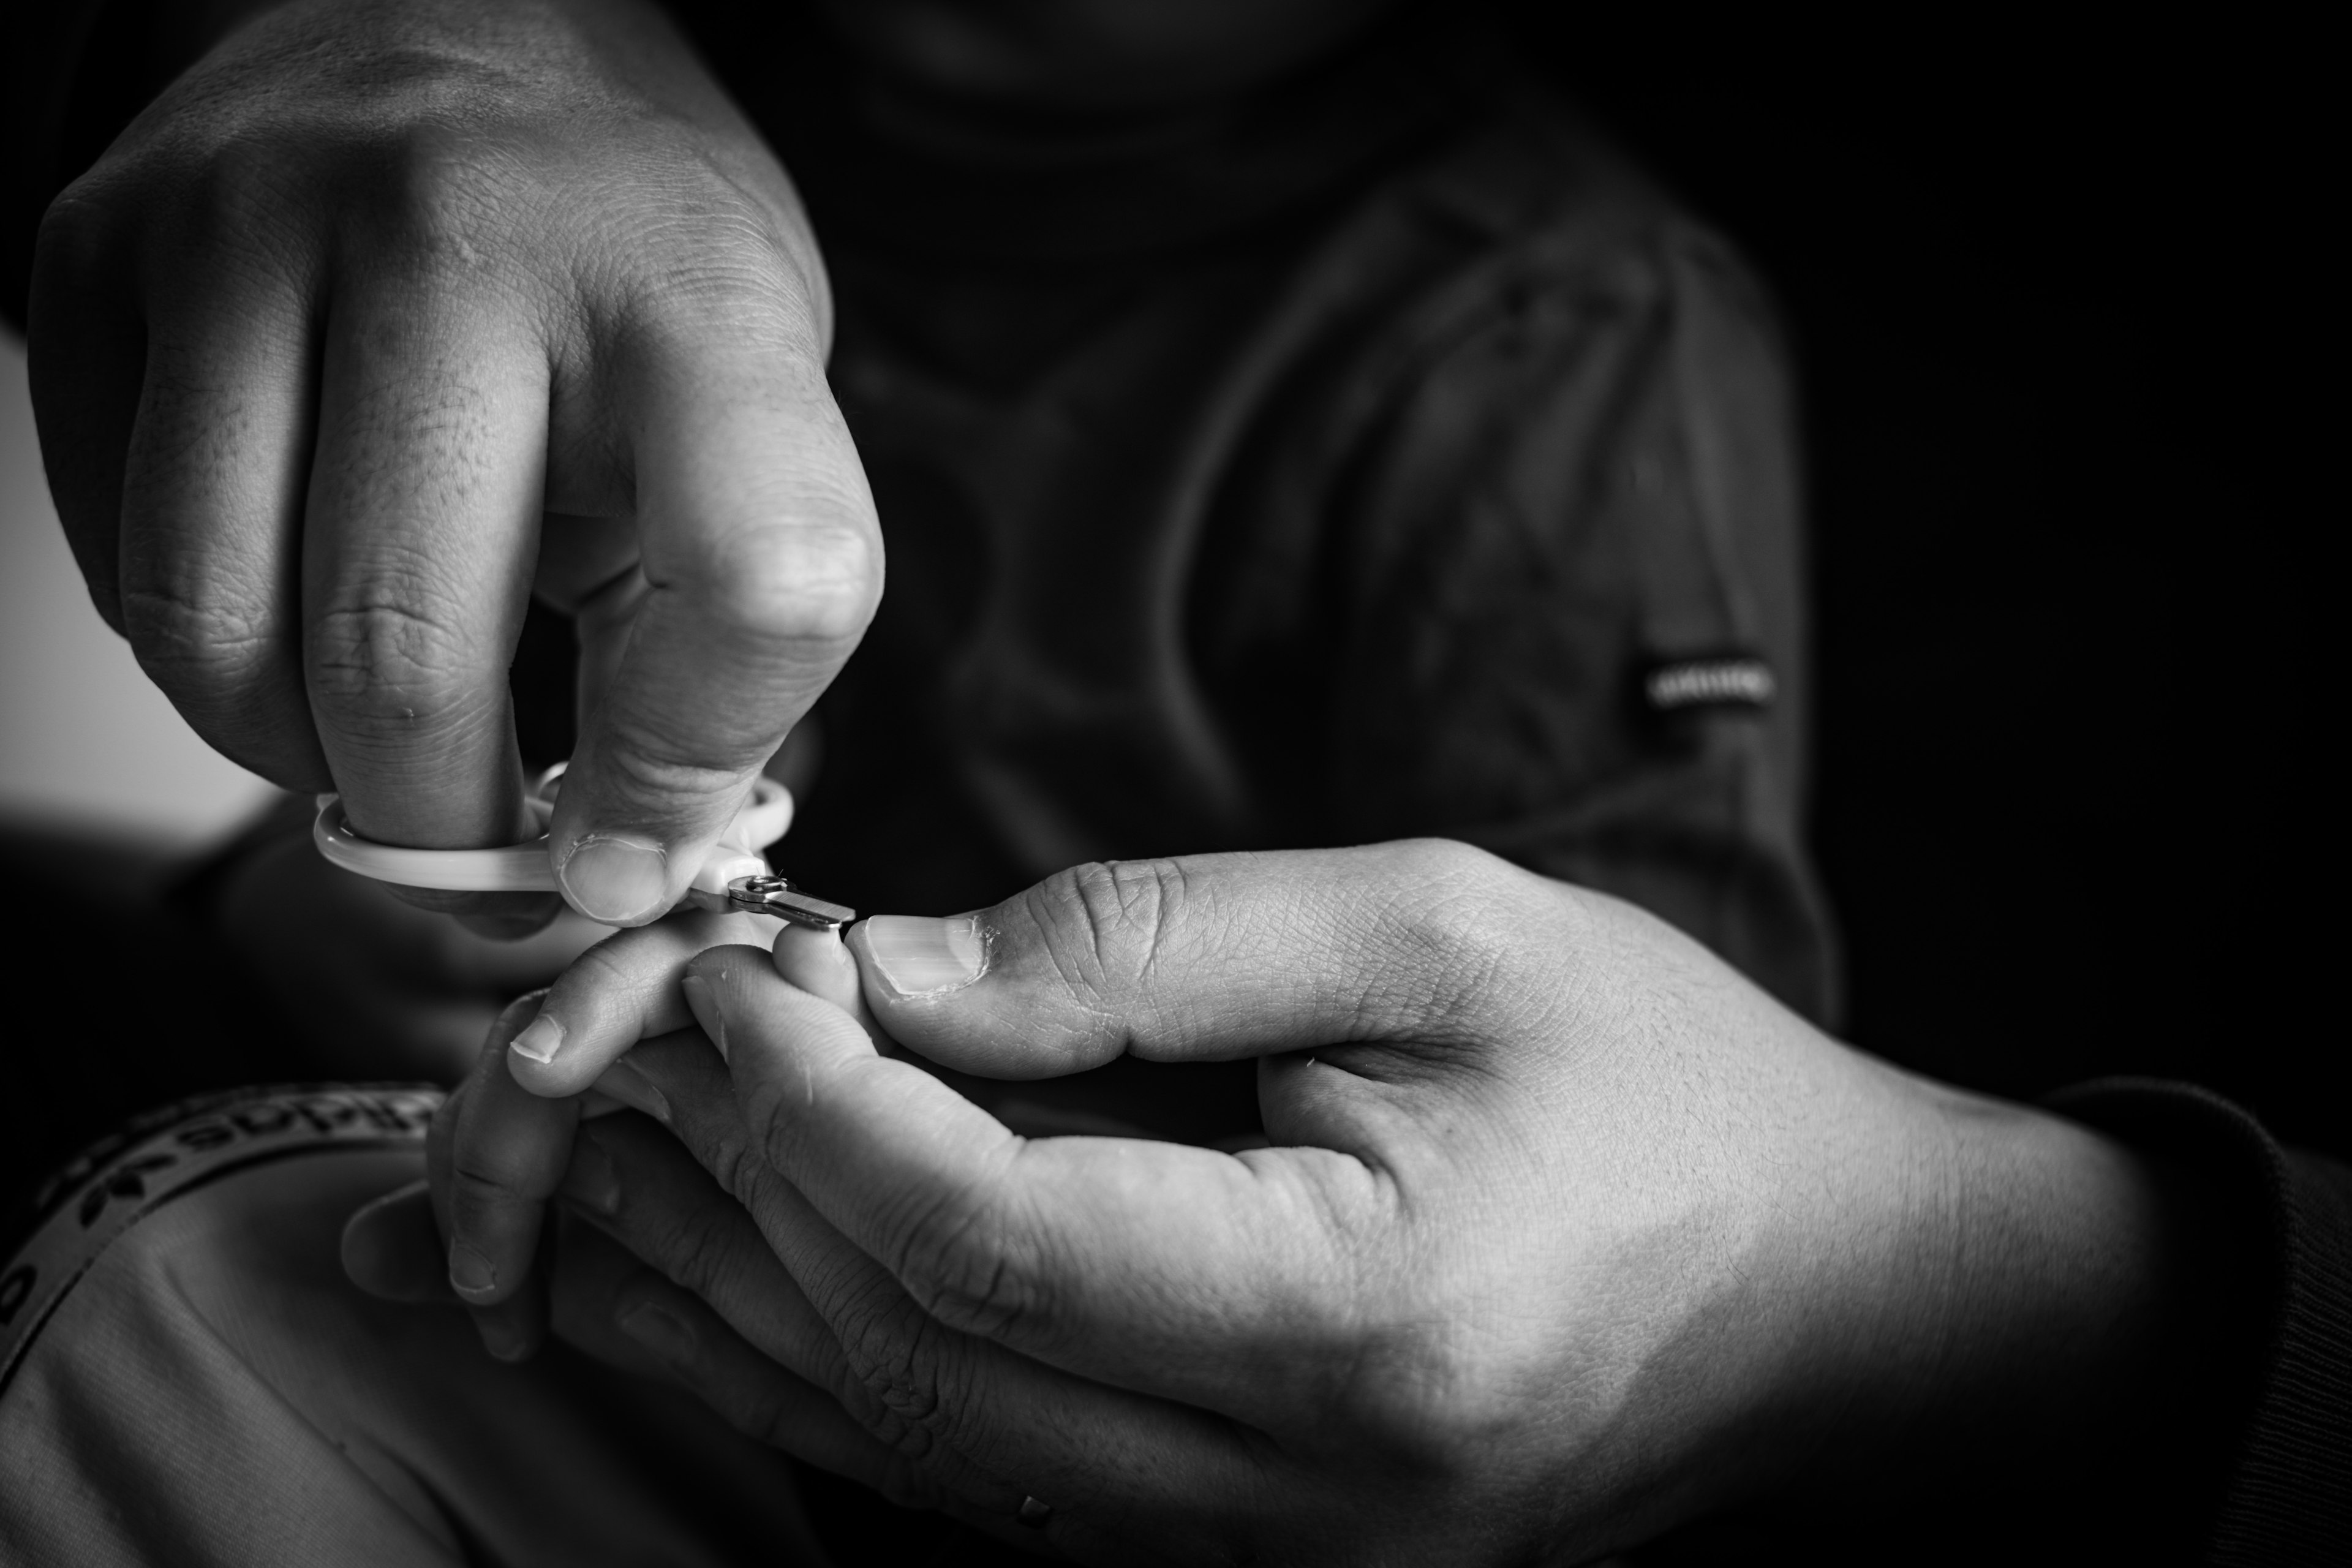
(502, 1141)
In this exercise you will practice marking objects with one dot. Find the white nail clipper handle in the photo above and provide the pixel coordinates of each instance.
(729, 870)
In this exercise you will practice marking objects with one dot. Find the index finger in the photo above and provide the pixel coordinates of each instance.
(494, 1156)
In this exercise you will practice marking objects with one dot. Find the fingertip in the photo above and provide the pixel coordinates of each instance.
(958, 992)
(514, 1016)
(511, 1331)
(663, 1333)
(872, 989)
(616, 879)
(473, 1274)
(619, 994)
(538, 1040)
(533, 1035)
(549, 1058)
(818, 961)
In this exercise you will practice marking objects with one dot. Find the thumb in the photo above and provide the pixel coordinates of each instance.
(1206, 958)
(763, 564)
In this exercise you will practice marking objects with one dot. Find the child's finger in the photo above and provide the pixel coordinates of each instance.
(623, 989)
(820, 963)
(504, 1155)
(513, 1329)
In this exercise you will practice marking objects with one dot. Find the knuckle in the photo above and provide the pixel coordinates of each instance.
(815, 579)
(900, 1358)
(725, 274)
(652, 758)
(480, 1191)
(738, 1168)
(192, 204)
(961, 1264)
(1107, 925)
(1448, 866)
(237, 200)
(194, 646)
(663, 758)
(497, 1166)
(1452, 913)
(384, 666)
(438, 194)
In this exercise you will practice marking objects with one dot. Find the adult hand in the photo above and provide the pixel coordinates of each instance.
(1567, 1233)
(383, 314)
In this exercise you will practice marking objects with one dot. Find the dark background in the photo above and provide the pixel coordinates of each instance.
(2062, 310)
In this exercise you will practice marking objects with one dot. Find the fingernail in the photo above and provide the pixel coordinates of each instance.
(704, 1005)
(471, 1273)
(591, 1179)
(614, 879)
(540, 1040)
(503, 1340)
(626, 1082)
(660, 1331)
(921, 954)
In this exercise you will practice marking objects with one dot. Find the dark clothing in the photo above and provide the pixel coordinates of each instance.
(1366, 459)
(1355, 515)
(2283, 1493)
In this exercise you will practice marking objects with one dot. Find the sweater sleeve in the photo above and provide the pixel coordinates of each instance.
(2284, 1495)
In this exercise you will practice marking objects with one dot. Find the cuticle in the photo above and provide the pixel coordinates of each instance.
(651, 846)
(987, 931)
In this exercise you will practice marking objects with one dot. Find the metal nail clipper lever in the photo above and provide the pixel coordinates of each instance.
(776, 896)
